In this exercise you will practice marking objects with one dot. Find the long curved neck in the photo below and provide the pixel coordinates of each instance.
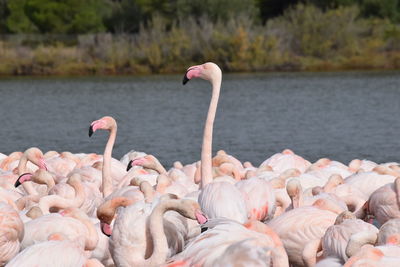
(47, 202)
(106, 171)
(206, 150)
(92, 238)
(160, 168)
(28, 186)
(156, 225)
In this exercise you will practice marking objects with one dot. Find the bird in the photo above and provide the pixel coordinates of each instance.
(11, 233)
(108, 123)
(141, 237)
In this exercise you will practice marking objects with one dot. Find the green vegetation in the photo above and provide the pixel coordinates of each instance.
(47, 37)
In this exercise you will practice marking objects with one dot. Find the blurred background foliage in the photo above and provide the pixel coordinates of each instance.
(164, 36)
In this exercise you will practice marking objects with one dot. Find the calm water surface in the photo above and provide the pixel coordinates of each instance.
(337, 115)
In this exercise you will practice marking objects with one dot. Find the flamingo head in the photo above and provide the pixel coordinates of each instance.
(148, 161)
(105, 123)
(208, 71)
(105, 223)
(106, 229)
(136, 162)
(23, 178)
(35, 155)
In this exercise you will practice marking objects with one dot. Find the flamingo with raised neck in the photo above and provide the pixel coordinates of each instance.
(211, 72)
(106, 123)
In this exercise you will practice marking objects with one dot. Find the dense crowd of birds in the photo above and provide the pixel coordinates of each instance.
(64, 209)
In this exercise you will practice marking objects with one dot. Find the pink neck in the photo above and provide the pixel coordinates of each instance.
(28, 186)
(206, 151)
(106, 172)
(156, 225)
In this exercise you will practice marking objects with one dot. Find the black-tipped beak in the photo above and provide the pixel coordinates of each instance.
(104, 233)
(185, 79)
(17, 183)
(91, 131)
(103, 227)
(129, 166)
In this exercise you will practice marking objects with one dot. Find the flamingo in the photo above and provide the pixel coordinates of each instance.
(35, 156)
(259, 198)
(141, 237)
(108, 123)
(53, 253)
(11, 232)
(285, 160)
(212, 200)
(389, 233)
(384, 203)
(301, 230)
(211, 72)
(11, 161)
(336, 238)
(369, 255)
(214, 246)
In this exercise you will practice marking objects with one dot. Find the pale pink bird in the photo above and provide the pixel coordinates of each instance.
(384, 203)
(325, 168)
(301, 230)
(299, 199)
(350, 194)
(109, 166)
(72, 223)
(223, 200)
(49, 201)
(285, 160)
(141, 237)
(214, 246)
(148, 162)
(53, 253)
(336, 238)
(214, 201)
(357, 165)
(35, 156)
(389, 233)
(60, 165)
(11, 161)
(259, 198)
(381, 256)
(368, 182)
(11, 233)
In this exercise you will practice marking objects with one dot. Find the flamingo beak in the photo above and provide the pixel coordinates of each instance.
(129, 166)
(185, 78)
(91, 131)
(105, 229)
(23, 178)
(17, 183)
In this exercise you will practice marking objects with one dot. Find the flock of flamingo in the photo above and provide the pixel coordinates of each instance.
(64, 209)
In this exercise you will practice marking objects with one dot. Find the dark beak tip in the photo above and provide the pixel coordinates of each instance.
(129, 166)
(105, 233)
(90, 131)
(185, 80)
(17, 183)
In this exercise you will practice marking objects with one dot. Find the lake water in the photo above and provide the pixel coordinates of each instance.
(337, 115)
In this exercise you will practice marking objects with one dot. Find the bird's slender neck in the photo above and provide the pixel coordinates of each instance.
(92, 238)
(56, 201)
(28, 186)
(156, 225)
(160, 168)
(106, 171)
(206, 150)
